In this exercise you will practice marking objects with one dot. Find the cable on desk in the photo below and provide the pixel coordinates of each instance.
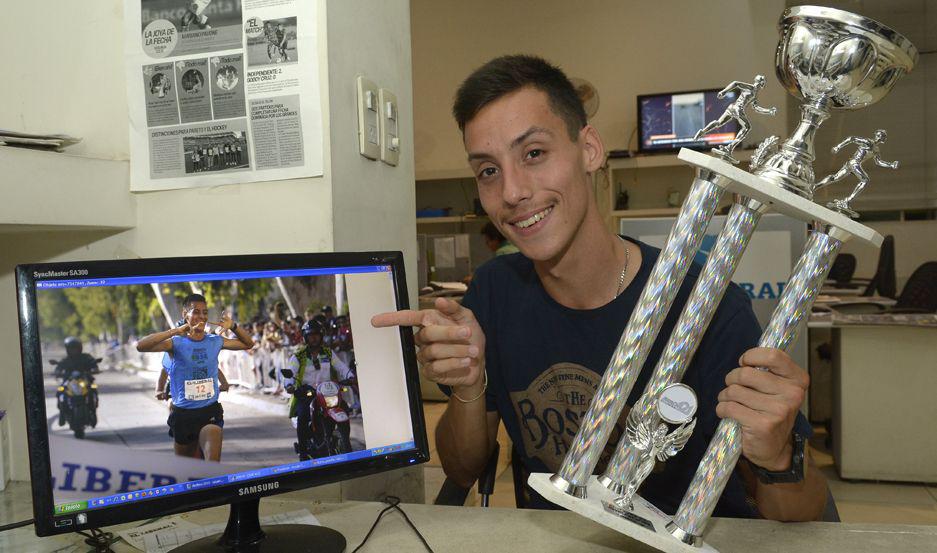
(98, 539)
(19, 524)
(393, 502)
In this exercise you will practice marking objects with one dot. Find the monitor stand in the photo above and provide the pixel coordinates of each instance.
(243, 534)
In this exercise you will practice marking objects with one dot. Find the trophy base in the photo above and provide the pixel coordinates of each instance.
(644, 522)
(781, 200)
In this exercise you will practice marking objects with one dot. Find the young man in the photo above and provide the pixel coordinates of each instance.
(196, 417)
(537, 329)
(282, 41)
(270, 33)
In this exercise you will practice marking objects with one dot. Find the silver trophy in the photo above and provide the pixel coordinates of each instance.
(832, 60)
(747, 98)
(865, 149)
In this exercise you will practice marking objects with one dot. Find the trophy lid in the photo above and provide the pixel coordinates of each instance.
(846, 59)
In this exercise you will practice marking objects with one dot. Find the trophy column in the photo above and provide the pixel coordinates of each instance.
(726, 446)
(640, 332)
(833, 60)
(710, 287)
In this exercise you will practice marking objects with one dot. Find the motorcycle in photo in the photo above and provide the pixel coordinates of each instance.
(77, 397)
(328, 431)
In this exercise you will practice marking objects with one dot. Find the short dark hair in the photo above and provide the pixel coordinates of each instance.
(192, 298)
(507, 74)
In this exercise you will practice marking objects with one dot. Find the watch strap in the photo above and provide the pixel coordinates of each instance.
(793, 474)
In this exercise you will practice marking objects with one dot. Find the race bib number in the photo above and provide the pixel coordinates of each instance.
(197, 390)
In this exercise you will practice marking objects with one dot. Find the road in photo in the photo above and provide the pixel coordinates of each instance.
(257, 430)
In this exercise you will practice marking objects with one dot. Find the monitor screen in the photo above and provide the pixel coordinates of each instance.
(144, 399)
(668, 122)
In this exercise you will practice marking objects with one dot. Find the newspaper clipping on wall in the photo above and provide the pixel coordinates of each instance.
(222, 92)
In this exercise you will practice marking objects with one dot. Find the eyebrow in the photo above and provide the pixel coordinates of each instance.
(514, 143)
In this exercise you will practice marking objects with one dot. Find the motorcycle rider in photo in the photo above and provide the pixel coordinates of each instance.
(76, 360)
(196, 417)
(79, 367)
(310, 366)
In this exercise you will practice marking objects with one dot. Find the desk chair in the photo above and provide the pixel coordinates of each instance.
(882, 282)
(919, 295)
(920, 292)
(844, 266)
(453, 494)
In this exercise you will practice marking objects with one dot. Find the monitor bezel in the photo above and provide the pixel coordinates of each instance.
(670, 149)
(47, 523)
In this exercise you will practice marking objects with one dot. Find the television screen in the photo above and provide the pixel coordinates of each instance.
(668, 122)
(166, 385)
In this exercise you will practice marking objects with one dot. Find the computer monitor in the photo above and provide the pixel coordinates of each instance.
(306, 404)
(669, 121)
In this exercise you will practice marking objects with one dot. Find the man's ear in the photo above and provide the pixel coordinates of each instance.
(593, 150)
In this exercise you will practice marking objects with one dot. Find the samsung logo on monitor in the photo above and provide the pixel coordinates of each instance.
(258, 488)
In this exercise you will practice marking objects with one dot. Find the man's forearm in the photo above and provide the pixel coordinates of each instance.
(244, 337)
(147, 342)
(161, 382)
(801, 501)
(462, 438)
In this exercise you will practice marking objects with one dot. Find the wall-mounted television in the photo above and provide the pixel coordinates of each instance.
(319, 396)
(669, 121)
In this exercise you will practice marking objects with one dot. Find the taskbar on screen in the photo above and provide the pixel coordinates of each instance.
(215, 481)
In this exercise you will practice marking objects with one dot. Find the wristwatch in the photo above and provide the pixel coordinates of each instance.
(791, 475)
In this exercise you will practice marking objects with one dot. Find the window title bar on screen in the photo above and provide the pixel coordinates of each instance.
(205, 277)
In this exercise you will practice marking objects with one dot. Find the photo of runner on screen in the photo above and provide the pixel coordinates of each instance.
(196, 417)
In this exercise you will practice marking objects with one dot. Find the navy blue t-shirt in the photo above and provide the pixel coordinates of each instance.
(545, 361)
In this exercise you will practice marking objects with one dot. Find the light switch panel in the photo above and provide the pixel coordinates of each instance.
(369, 116)
(390, 135)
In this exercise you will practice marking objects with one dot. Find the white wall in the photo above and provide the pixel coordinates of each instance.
(623, 48)
(72, 81)
(372, 203)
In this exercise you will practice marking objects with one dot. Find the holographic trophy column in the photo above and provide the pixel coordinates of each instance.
(833, 60)
(621, 475)
(726, 446)
(634, 458)
(640, 332)
(667, 276)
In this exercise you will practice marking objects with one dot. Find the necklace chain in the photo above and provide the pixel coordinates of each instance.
(624, 270)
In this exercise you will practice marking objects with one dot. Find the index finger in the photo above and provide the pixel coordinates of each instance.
(406, 317)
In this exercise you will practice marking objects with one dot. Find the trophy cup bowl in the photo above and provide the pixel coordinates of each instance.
(839, 58)
(832, 59)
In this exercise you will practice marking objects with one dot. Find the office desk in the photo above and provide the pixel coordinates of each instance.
(884, 381)
(470, 529)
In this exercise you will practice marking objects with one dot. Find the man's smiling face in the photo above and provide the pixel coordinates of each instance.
(532, 178)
